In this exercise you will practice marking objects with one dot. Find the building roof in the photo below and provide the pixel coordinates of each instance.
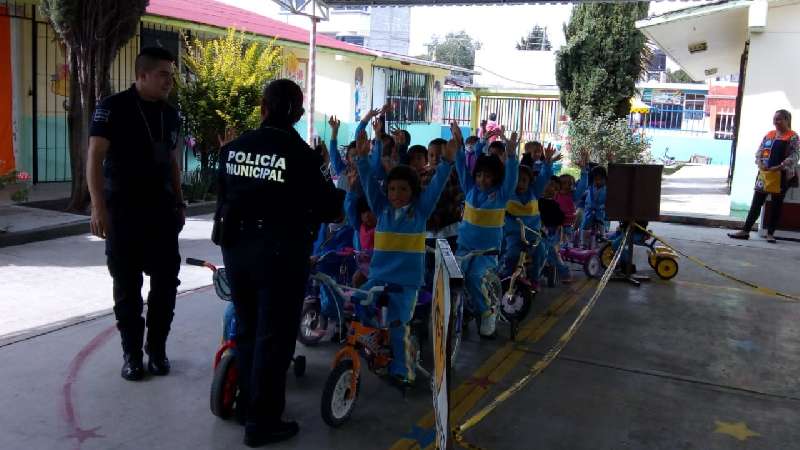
(220, 15)
(421, 62)
(339, 3)
(706, 40)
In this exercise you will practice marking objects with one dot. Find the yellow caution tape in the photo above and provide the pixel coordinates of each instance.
(552, 354)
(700, 263)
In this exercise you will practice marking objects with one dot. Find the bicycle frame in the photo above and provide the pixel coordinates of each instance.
(522, 262)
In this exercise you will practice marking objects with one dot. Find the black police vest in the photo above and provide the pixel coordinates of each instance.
(271, 178)
(138, 165)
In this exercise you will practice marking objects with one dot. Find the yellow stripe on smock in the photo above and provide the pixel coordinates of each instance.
(400, 242)
(484, 217)
(517, 209)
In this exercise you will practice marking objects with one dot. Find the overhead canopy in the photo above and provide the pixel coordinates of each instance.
(339, 3)
(706, 41)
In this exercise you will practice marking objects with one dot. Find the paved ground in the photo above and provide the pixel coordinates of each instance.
(695, 363)
(65, 279)
(697, 189)
(14, 218)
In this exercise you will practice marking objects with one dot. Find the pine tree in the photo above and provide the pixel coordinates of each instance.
(604, 56)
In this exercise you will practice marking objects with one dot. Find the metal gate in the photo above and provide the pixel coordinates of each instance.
(535, 119)
(457, 108)
(49, 93)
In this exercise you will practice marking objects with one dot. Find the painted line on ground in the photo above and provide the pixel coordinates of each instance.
(493, 370)
(713, 287)
(69, 411)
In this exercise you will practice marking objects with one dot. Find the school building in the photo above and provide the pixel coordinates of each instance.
(34, 78)
(743, 38)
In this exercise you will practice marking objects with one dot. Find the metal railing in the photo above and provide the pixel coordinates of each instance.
(684, 122)
(535, 119)
(457, 107)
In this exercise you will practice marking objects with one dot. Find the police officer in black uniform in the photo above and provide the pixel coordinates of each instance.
(273, 195)
(137, 206)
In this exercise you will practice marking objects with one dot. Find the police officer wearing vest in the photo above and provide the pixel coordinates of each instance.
(273, 195)
(137, 206)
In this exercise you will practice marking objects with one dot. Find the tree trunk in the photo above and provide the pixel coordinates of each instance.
(93, 31)
(78, 123)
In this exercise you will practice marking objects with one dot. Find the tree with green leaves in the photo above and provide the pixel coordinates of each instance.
(596, 71)
(535, 40)
(221, 93)
(606, 139)
(456, 49)
(93, 31)
(604, 57)
(679, 76)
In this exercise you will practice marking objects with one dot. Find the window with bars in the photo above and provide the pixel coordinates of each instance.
(694, 106)
(409, 93)
(724, 125)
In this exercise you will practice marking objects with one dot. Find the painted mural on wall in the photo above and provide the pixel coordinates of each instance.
(296, 69)
(59, 79)
(360, 96)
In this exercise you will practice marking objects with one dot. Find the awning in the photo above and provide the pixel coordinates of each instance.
(706, 41)
(638, 106)
(339, 3)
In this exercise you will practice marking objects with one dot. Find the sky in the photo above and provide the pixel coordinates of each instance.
(493, 26)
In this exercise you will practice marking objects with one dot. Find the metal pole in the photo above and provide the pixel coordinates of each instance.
(35, 98)
(312, 74)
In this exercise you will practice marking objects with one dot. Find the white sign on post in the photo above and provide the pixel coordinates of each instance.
(447, 271)
(440, 316)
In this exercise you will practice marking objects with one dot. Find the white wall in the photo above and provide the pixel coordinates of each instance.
(771, 84)
(512, 68)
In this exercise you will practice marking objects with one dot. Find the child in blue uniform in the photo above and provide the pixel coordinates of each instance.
(524, 205)
(487, 191)
(398, 259)
(594, 210)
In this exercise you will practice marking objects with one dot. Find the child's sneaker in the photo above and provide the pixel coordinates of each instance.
(488, 324)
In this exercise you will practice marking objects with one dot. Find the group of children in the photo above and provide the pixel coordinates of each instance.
(399, 197)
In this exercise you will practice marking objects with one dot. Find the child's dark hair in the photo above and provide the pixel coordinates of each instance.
(491, 164)
(351, 145)
(497, 145)
(493, 116)
(417, 150)
(407, 174)
(527, 171)
(598, 171)
(472, 140)
(362, 205)
(407, 136)
(438, 141)
(388, 143)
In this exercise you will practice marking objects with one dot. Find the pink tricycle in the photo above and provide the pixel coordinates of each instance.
(588, 256)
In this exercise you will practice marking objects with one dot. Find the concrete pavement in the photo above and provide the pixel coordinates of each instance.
(62, 280)
(696, 189)
(694, 363)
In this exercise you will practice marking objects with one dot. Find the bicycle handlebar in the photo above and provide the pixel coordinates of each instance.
(201, 263)
(523, 235)
(370, 294)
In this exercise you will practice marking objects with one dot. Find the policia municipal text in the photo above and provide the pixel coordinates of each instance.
(272, 197)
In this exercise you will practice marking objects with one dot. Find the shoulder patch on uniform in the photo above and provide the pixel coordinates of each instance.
(101, 114)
